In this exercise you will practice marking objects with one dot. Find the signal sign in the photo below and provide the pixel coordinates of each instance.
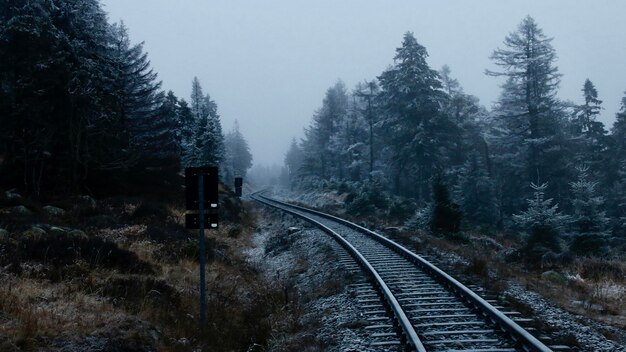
(211, 181)
(192, 221)
(238, 186)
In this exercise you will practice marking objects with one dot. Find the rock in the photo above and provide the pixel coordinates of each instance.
(34, 233)
(85, 204)
(4, 233)
(554, 277)
(488, 242)
(393, 230)
(20, 210)
(292, 230)
(54, 211)
(78, 234)
(12, 195)
(508, 255)
(53, 230)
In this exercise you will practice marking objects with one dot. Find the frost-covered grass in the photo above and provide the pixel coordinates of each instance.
(590, 287)
(141, 292)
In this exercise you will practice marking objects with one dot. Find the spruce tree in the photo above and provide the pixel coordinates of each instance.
(446, 216)
(410, 99)
(589, 220)
(615, 170)
(367, 93)
(206, 146)
(475, 192)
(55, 106)
(529, 119)
(149, 115)
(589, 134)
(293, 162)
(542, 222)
(237, 159)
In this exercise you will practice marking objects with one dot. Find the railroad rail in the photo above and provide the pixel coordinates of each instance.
(430, 310)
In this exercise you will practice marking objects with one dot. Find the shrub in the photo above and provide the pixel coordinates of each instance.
(65, 249)
(446, 215)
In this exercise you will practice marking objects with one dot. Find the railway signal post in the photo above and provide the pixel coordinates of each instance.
(201, 193)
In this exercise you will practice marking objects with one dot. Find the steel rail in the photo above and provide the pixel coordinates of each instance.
(409, 335)
(517, 333)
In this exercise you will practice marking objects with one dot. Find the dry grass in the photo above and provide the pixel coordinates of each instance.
(592, 287)
(33, 308)
(65, 295)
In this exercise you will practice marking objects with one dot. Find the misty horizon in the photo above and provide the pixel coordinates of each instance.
(268, 65)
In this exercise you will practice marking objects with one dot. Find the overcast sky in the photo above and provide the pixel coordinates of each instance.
(268, 63)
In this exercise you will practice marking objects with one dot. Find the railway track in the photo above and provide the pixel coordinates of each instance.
(409, 303)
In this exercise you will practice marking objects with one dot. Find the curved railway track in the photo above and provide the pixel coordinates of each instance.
(412, 303)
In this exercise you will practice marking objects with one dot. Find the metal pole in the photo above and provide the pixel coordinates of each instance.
(202, 251)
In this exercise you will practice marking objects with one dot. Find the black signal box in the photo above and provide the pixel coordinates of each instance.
(192, 221)
(238, 186)
(211, 184)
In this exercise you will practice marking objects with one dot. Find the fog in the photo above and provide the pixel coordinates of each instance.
(268, 64)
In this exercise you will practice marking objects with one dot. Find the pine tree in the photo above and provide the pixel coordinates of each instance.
(348, 147)
(206, 146)
(528, 116)
(475, 192)
(615, 169)
(293, 162)
(213, 149)
(186, 131)
(323, 157)
(446, 216)
(143, 108)
(237, 158)
(543, 223)
(416, 131)
(55, 81)
(589, 134)
(367, 92)
(589, 220)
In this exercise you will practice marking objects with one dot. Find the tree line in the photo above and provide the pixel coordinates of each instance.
(412, 144)
(81, 107)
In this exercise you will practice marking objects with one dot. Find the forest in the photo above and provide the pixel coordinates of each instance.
(412, 145)
(81, 109)
(525, 198)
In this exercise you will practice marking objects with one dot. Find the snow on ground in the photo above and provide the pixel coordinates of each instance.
(313, 198)
(587, 332)
(307, 259)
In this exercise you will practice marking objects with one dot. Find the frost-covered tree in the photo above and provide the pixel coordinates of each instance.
(323, 157)
(367, 92)
(238, 158)
(186, 127)
(446, 216)
(213, 148)
(542, 222)
(528, 117)
(589, 135)
(475, 192)
(148, 114)
(589, 220)
(206, 146)
(585, 118)
(56, 98)
(293, 162)
(415, 129)
(615, 169)
(349, 146)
